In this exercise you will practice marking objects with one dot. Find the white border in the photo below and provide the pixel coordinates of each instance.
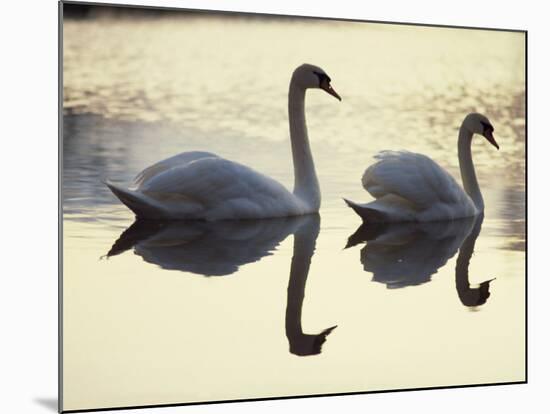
(29, 203)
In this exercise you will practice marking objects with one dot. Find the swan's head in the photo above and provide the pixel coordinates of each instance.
(311, 76)
(480, 124)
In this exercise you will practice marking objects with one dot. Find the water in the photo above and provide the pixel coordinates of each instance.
(182, 312)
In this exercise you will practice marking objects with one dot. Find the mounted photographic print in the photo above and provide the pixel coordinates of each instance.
(265, 206)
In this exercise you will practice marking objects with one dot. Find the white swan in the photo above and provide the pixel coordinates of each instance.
(201, 185)
(413, 187)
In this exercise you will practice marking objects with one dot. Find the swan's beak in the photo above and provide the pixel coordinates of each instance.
(328, 89)
(489, 137)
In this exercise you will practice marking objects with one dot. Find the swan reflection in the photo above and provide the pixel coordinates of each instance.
(220, 248)
(408, 254)
(305, 238)
(470, 296)
(206, 248)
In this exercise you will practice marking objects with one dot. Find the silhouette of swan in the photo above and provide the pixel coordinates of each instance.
(470, 297)
(408, 254)
(304, 246)
(219, 248)
(205, 248)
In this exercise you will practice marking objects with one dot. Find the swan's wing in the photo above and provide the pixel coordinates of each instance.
(415, 178)
(219, 186)
(176, 161)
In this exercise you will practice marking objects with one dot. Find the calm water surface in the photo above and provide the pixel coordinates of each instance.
(193, 311)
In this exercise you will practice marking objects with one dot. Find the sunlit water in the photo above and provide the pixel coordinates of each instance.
(183, 312)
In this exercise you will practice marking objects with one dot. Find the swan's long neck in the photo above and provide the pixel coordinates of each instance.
(306, 185)
(467, 171)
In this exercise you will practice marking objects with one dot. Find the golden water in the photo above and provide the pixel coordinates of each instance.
(200, 312)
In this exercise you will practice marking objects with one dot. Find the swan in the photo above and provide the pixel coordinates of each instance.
(412, 187)
(202, 185)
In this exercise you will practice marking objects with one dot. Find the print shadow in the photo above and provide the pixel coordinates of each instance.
(48, 403)
(221, 248)
(408, 254)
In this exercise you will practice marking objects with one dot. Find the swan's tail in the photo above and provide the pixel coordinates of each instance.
(134, 201)
(369, 215)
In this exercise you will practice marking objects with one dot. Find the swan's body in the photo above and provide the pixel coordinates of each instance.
(201, 185)
(412, 187)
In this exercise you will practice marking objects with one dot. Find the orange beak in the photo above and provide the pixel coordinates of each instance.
(489, 137)
(325, 85)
